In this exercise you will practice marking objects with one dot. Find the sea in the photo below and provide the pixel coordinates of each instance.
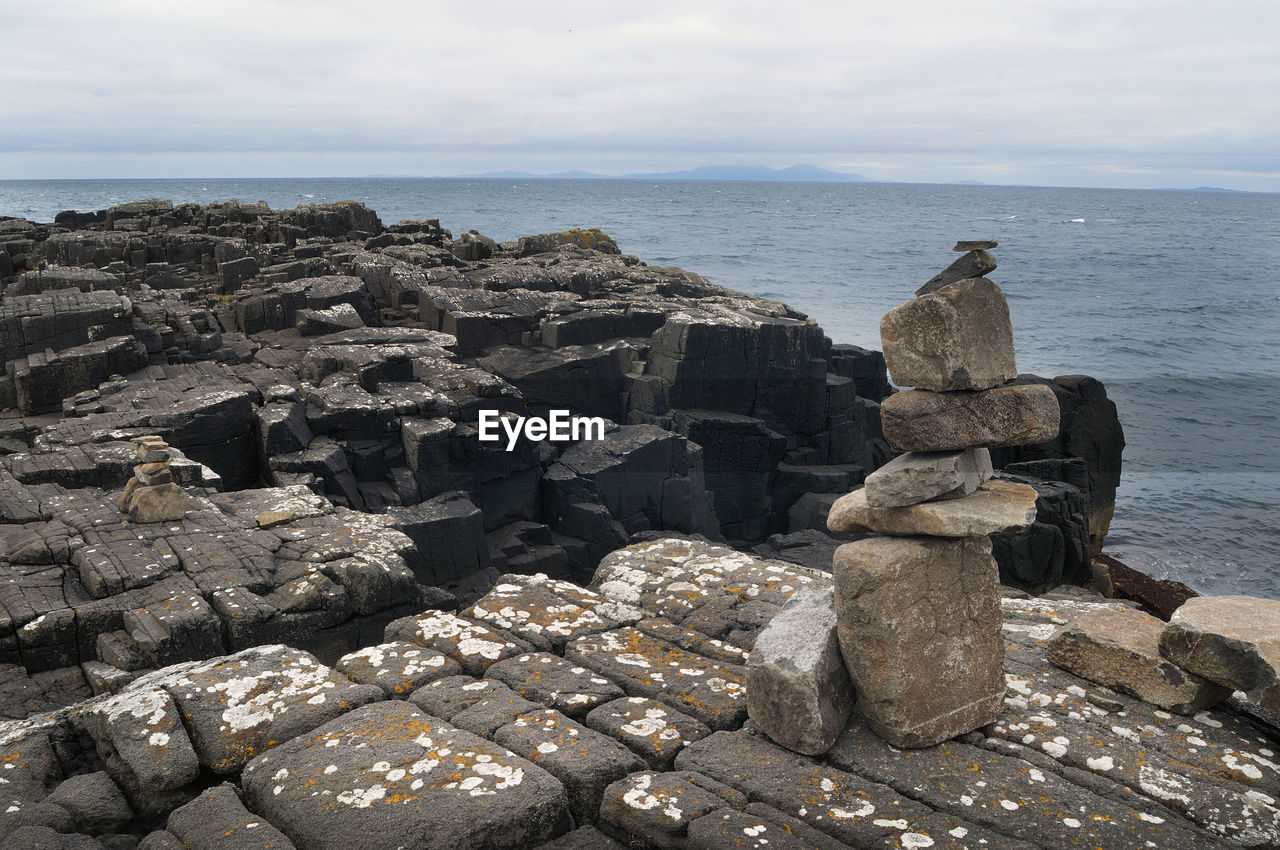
(1170, 298)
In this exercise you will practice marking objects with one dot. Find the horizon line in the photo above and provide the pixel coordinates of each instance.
(666, 179)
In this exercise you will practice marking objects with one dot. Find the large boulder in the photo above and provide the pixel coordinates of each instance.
(919, 625)
(1121, 650)
(1010, 415)
(1231, 640)
(956, 338)
(798, 691)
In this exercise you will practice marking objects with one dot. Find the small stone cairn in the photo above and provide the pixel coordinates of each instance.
(151, 494)
(916, 611)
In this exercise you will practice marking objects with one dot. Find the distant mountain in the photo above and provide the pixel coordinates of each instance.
(794, 174)
(969, 183)
(1204, 189)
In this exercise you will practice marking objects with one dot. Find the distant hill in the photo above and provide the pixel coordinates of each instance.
(794, 174)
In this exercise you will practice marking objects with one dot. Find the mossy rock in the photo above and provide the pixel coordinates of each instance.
(595, 238)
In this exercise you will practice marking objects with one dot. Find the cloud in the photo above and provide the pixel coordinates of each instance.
(1129, 85)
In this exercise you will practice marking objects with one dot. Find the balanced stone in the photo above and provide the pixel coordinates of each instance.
(1013, 415)
(1231, 640)
(1121, 650)
(996, 507)
(975, 245)
(956, 338)
(972, 264)
(798, 691)
(917, 477)
(919, 624)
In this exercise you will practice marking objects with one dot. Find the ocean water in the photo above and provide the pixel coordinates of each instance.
(1172, 299)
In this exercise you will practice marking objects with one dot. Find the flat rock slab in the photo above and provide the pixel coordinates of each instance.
(975, 263)
(1231, 640)
(721, 593)
(997, 507)
(919, 625)
(447, 697)
(957, 337)
(584, 761)
(798, 691)
(658, 806)
(1014, 415)
(399, 668)
(762, 829)
(388, 775)
(554, 681)
(473, 645)
(710, 691)
(843, 805)
(1214, 769)
(240, 705)
(654, 731)
(548, 613)
(1121, 649)
(916, 477)
(1008, 796)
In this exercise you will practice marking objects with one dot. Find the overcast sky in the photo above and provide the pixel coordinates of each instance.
(1080, 93)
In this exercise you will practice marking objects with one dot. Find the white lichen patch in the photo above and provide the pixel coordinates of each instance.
(916, 840)
(865, 809)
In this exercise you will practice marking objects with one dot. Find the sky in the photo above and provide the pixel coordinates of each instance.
(1124, 93)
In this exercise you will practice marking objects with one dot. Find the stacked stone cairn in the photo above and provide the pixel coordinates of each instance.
(151, 495)
(916, 610)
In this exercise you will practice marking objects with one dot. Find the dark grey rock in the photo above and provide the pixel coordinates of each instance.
(217, 819)
(94, 802)
(654, 731)
(556, 682)
(975, 263)
(584, 761)
(398, 777)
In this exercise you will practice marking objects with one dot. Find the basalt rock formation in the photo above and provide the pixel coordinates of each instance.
(557, 716)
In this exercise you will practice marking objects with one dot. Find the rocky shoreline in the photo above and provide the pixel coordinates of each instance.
(249, 516)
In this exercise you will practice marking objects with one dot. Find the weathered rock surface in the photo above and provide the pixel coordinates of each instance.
(921, 641)
(1012, 415)
(392, 776)
(957, 337)
(1057, 769)
(1121, 650)
(916, 477)
(1231, 640)
(798, 691)
(997, 506)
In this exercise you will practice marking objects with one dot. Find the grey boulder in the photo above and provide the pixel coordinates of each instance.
(798, 691)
